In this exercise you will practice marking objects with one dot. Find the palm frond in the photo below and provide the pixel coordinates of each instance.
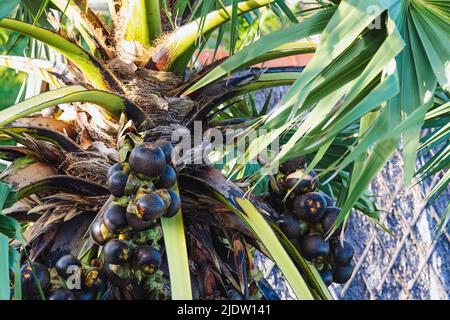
(112, 103)
(178, 48)
(175, 241)
(309, 26)
(93, 70)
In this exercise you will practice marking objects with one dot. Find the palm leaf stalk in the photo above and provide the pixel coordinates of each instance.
(170, 53)
(145, 23)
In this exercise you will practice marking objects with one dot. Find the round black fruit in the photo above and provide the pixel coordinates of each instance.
(118, 276)
(314, 247)
(291, 226)
(309, 206)
(148, 160)
(117, 183)
(341, 274)
(117, 252)
(301, 184)
(328, 219)
(137, 224)
(29, 285)
(167, 148)
(342, 254)
(327, 276)
(328, 199)
(175, 204)
(84, 295)
(151, 206)
(168, 178)
(115, 219)
(113, 169)
(165, 196)
(148, 259)
(62, 294)
(95, 279)
(67, 266)
(292, 165)
(99, 233)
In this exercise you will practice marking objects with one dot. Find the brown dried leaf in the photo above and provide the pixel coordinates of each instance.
(29, 174)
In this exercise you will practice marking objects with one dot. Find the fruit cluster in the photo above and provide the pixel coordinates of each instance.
(141, 187)
(128, 232)
(308, 221)
(85, 283)
(70, 279)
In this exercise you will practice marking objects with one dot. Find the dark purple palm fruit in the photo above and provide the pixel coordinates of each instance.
(341, 274)
(99, 233)
(274, 199)
(168, 178)
(342, 254)
(118, 275)
(96, 262)
(84, 295)
(117, 183)
(314, 248)
(309, 207)
(328, 199)
(301, 184)
(326, 275)
(167, 148)
(67, 266)
(277, 186)
(147, 159)
(117, 252)
(175, 204)
(292, 165)
(115, 219)
(329, 218)
(165, 196)
(150, 207)
(62, 294)
(148, 259)
(32, 275)
(113, 169)
(292, 227)
(95, 279)
(137, 224)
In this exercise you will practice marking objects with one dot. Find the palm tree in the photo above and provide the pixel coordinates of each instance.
(378, 77)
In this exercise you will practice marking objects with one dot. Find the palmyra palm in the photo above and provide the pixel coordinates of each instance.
(379, 73)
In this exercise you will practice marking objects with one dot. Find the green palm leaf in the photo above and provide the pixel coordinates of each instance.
(91, 68)
(175, 242)
(309, 26)
(111, 103)
(6, 6)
